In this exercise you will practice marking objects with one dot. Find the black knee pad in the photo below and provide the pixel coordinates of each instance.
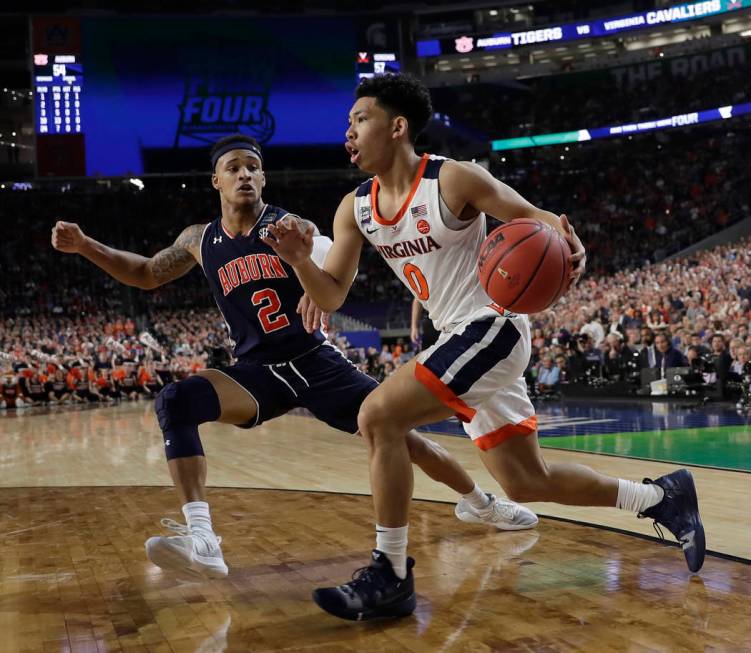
(166, 405)
(192, 401)
(180, 407)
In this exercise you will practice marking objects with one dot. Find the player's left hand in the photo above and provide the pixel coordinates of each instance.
(291, 240)
(578, 254)
(312, 316)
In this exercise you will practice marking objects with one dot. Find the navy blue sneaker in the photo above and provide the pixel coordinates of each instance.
(679, 513)
(374, 591)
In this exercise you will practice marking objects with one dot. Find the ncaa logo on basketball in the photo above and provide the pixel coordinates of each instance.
(423, 227)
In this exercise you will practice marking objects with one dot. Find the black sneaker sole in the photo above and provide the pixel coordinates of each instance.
(402, 608)
(698, 551)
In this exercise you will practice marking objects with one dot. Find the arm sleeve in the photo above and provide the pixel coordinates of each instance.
(321, 247)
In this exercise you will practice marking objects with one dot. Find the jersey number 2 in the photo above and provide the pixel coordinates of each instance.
(416, 280)
(269, 322)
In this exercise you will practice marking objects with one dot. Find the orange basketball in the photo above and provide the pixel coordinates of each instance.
(524, 266)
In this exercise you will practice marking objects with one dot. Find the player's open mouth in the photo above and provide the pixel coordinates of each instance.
(246, 188)
(354, 153)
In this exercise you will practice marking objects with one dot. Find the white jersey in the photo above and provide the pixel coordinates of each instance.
(430, 250)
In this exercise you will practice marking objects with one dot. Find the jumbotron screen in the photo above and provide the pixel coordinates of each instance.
(157, 83)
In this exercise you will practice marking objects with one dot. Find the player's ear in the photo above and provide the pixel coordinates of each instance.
(215, 182)
(400, 127)
(263, 179)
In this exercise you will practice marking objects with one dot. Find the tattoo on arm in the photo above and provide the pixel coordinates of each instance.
(177, 259)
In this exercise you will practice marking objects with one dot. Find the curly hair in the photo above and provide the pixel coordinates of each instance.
(400, 95)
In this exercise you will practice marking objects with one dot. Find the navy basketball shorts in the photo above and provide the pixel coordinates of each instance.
(477, 369)
(322, 380)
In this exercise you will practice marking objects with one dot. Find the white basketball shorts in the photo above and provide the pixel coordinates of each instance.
(477, 369)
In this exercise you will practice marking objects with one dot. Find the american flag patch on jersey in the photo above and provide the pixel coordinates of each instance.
(419, 211)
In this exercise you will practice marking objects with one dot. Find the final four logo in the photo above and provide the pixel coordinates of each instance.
(217, 103)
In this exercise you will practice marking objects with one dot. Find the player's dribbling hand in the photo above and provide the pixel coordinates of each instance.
(291, 240)
(67, 237)
(578, 254)
(312, 316)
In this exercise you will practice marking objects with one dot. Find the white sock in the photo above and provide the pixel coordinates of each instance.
(477, 498)
(637, 497)
(199, 520)
(393, 542)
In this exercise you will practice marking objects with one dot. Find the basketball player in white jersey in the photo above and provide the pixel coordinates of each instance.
(426, 217)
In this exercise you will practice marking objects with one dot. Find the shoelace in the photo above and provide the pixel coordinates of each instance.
(183, 529)
(180, 529)
(361, 576)
(658, 530)
(506, 509)
(681, 540)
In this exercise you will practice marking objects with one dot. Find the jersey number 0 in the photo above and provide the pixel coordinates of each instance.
(416, 280)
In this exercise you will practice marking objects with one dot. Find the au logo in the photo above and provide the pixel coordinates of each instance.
(218, 104)
(464, 44)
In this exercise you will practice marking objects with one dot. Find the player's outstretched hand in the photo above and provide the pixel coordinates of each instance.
(578, 254)
(67, 237)
(291, 240)
(312, 316)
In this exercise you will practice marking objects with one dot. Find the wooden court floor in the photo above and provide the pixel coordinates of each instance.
(81, 490)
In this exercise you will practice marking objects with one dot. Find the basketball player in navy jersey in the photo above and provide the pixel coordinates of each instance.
(475, 368)
(280, 365)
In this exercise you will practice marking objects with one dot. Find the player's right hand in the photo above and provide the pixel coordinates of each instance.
(291, 240)
(67, 237)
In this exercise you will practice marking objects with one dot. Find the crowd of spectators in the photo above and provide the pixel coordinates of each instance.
(104, 358)
(634, 202)
(101, 357)
(691, 312)
(377, 363)
(650, 197)
(560, 103)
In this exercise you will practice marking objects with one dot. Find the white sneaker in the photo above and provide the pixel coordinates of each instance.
(187, 554)
(217, 641)
(505, 515)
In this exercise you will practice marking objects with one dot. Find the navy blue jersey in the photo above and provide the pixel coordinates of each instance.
(256, 292)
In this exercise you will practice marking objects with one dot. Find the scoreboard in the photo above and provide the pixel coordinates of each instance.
(58, 89)
(370, 64)
(158, 91)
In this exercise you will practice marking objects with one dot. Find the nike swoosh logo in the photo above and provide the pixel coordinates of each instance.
(371, 231)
